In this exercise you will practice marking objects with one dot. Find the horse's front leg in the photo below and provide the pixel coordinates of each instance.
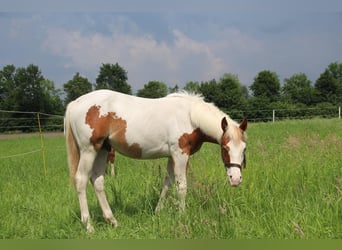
(180, 167)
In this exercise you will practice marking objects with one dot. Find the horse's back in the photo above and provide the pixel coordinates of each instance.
(153, 124)
(129, 107)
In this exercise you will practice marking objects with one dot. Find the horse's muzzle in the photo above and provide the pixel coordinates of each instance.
(234, 182)
(234, 174)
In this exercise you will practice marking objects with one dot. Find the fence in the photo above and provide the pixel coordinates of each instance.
(286, 114)
(18, 122)
(13, 121)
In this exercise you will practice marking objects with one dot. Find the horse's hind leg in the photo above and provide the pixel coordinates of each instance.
(168, 181)
(81, 180)
(97, 180)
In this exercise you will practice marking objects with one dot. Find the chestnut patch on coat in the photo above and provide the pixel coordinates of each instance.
(191, 143)
(112, 127)
(225, 150)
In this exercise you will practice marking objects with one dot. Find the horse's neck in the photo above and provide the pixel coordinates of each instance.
(208, 119)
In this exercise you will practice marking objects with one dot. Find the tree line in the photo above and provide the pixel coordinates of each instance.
(27, 90)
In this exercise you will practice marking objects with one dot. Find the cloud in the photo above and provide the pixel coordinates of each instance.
(142, 56)
(194, 53)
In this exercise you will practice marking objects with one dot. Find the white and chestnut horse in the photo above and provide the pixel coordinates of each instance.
(174, 127)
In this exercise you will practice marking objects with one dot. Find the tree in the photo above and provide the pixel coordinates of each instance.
(7, 96)
(192, 87)
(266, 84)
(326, 87)
(258, 108)
(230, 95)
(210, 90)
(153, 89)
(7, 88)
(76, 87)
(34, 93)
(114, 77)
(298, 89)
(335, 70)
(244, 91)
(25, 89)
(52, 97)
(29, 89)
(173, 89)
(226, 94)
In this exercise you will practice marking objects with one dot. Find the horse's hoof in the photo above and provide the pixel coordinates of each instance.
(90, 229)
(113, 222)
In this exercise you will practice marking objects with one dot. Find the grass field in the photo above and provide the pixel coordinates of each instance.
(292, 189)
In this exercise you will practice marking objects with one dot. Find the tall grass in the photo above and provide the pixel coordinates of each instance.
(292, 189)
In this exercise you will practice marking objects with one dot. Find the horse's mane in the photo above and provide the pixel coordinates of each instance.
(205, 114)
(188, 95)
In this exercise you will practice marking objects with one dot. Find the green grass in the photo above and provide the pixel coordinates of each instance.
(292, 189)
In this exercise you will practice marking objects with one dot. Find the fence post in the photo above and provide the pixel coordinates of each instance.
(339, 112)
(273, 115)
(42, 143)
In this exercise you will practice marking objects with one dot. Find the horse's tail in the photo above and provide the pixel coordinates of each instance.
(73, 151)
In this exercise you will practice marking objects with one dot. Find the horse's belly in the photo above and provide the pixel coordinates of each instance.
(157, 152)
(141, 151)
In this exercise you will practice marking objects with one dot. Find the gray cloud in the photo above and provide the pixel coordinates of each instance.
(174, 48)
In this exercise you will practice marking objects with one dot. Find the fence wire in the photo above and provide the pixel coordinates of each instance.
(17, 121)
(23, 122)
(21, 154)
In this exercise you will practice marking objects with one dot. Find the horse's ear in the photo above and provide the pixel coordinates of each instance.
(243, 124)
(224, 124)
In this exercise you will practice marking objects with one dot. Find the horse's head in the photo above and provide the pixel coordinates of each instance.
(233, 147)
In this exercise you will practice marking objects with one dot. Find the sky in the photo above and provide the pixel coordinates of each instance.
(171, 41)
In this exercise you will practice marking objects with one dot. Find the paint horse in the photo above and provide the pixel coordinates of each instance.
(174, 127)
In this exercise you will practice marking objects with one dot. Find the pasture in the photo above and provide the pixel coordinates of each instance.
(292, 189)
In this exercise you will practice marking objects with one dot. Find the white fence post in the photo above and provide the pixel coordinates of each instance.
(273, 115)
